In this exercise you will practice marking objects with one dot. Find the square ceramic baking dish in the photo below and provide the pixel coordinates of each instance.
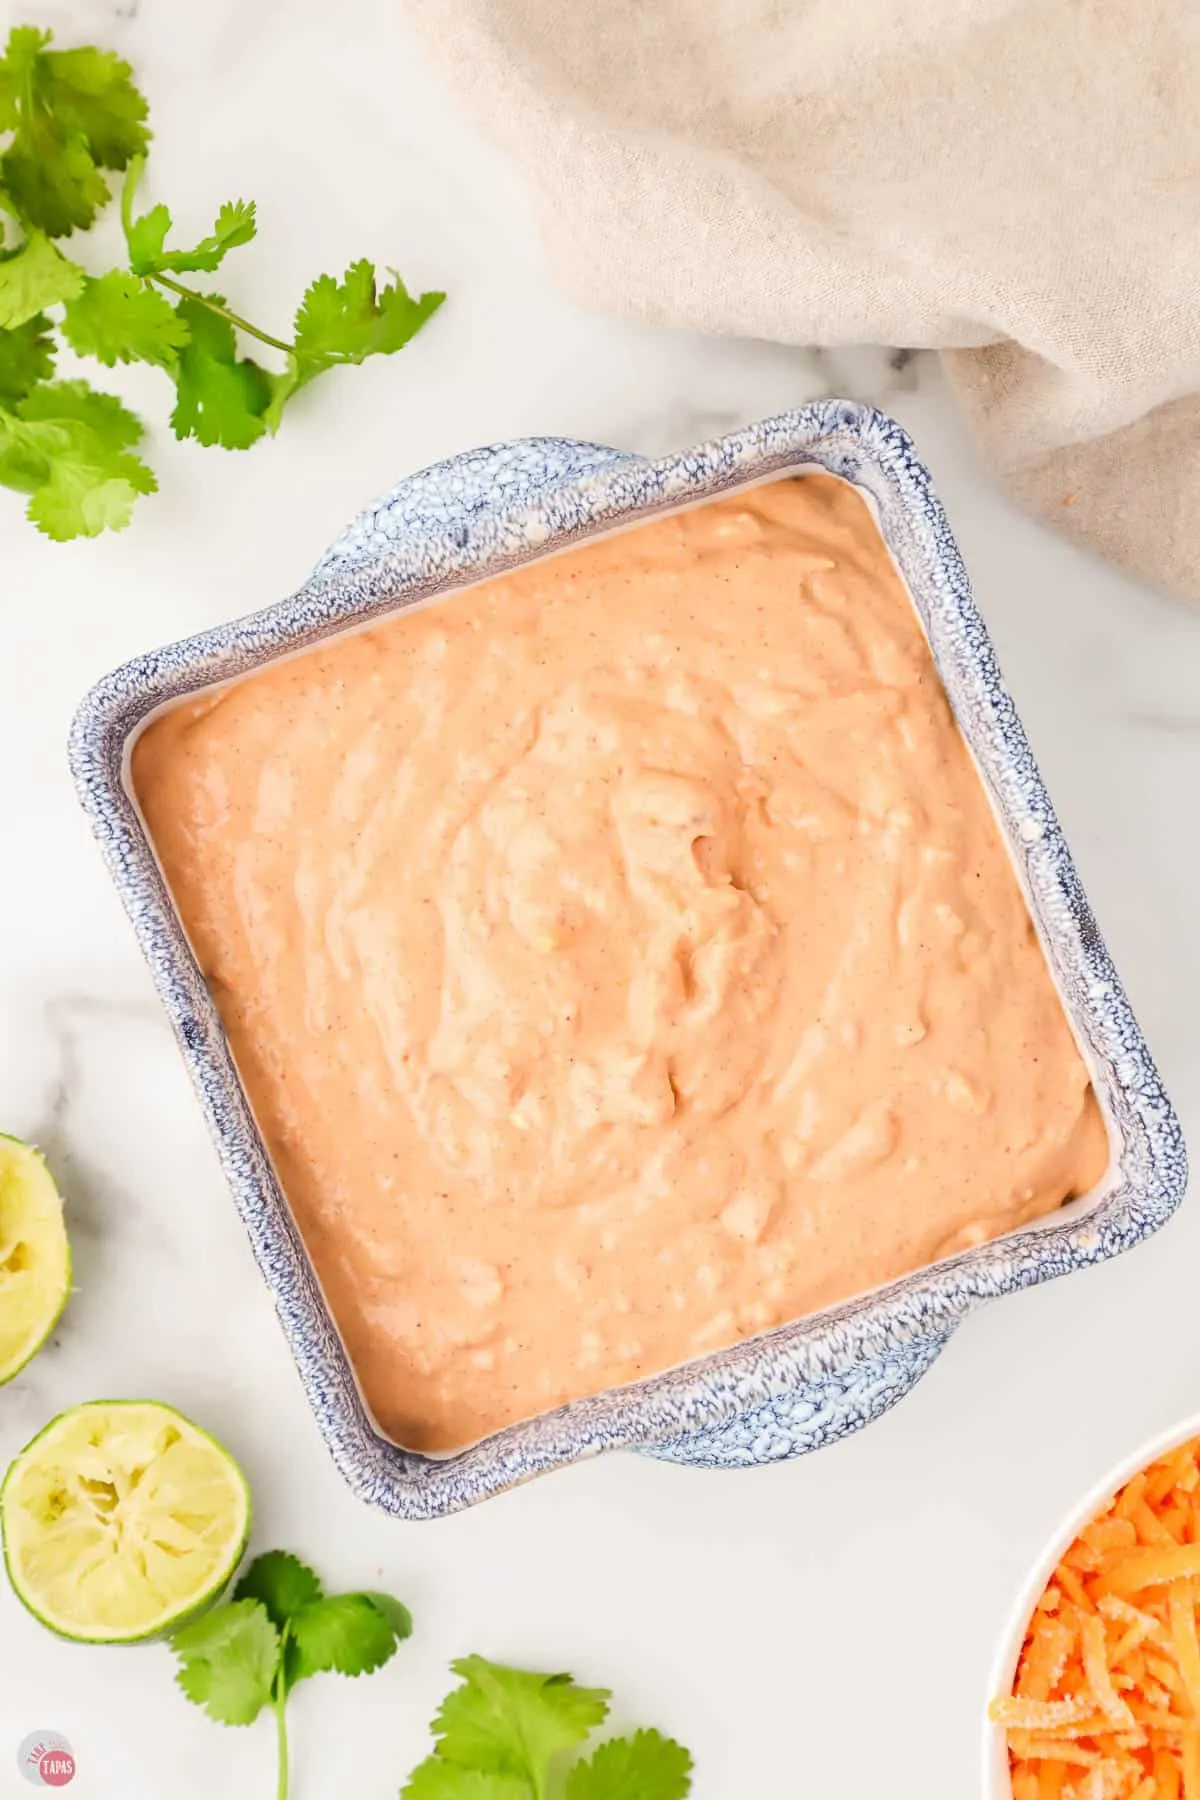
(800, 1385)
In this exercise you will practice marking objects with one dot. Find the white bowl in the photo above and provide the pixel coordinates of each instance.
(997, 1784)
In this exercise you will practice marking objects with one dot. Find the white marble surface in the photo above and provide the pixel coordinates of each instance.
(814, 1628)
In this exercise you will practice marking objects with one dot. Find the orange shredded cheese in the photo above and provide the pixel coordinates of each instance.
(1181, 1609)
(1106, 1699)
(1136, 1570)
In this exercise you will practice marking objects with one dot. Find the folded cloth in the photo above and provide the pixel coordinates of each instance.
(1015, 182)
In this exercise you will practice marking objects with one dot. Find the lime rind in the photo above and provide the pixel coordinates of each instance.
(121, 1520)
(35, 1255)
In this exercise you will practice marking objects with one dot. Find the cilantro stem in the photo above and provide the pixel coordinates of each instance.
(128, 190)
(214, 306)
(133, 175)
(279, 1703)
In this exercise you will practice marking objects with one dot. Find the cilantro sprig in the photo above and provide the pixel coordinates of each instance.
(246, 1655)
(509, 1734)
(501, 1734)
(69, 120)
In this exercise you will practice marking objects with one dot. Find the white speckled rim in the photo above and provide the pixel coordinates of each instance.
(800, 1385)
(997, 1783)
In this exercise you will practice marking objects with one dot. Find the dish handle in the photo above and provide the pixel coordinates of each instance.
(447, 498)
(813, 1413)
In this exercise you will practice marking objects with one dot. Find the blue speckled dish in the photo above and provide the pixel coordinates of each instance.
(801, 1385)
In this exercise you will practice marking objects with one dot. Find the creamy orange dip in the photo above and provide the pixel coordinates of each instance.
(621, 958)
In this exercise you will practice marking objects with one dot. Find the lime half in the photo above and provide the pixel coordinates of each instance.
(35, 1258)
(121, 1519)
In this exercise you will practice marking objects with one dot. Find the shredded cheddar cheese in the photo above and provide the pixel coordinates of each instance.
(1106, 1701)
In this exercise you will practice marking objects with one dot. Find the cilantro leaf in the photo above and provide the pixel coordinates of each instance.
(34, 277)
(228, 1660)
(346, 1632)
(146, 238)
(72, 113)
(92, 94)
(85, 494)
(501, 1734)
(117, 318)
(117, 428)
(25, 44)
(281, 1582)
(513, 1722)
(26, 357)
(10, 79)
(396, 1614)
(347, 321)
(26, 454)
(435, 1779)
(68, 449)
(53, 182)
(646, 1766)
(222, 398)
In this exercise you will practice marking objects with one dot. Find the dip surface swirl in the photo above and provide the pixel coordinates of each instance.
(621, 958)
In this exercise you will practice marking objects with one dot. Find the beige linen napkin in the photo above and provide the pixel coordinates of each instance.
(1016, 182)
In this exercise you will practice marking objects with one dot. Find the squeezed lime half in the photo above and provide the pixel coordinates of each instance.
(35, 1257)
(121, 1519)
